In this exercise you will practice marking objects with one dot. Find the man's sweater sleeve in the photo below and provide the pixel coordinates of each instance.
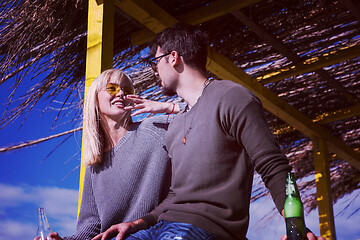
(152, 217)
(252, 131)
(88, 225)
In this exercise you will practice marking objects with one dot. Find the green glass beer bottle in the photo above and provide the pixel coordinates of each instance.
(294, 211)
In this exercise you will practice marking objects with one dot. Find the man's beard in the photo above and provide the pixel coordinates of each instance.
(167, 91)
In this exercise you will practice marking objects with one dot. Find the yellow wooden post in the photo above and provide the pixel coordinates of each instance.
(323, 186)
(99, 55)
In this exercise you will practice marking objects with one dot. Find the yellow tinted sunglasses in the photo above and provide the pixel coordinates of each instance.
(113, 89)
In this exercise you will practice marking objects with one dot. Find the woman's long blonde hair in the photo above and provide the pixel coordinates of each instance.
(94, 134)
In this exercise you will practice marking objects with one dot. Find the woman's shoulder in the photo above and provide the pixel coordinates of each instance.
(151, 129)
(154, 121)
(155, 124)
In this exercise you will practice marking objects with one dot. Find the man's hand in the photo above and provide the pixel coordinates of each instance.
(121, 230)
(310, 236)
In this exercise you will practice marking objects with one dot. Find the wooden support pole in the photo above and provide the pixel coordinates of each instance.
(323, 186)
(99, 55)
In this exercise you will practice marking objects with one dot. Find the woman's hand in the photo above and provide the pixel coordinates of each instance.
(53, 235)
(143, 105)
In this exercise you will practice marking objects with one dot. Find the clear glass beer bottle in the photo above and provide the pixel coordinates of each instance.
(44, 229)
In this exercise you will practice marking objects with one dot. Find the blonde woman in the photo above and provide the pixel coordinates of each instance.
(128, 169)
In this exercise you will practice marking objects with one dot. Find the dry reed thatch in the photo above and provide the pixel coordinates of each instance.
(48, 37)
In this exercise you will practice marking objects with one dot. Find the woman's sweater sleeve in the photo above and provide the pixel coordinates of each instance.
(88, 225)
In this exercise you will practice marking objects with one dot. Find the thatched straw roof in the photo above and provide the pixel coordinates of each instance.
(314, 43)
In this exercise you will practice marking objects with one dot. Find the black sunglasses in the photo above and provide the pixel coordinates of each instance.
(154, 61)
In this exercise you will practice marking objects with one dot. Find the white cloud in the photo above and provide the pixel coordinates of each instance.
(60, 206)
(11, 230)
(57, 201)
(347, 217)
(264, 220)
(12, 195)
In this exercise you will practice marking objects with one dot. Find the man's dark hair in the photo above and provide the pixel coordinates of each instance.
(189, 41)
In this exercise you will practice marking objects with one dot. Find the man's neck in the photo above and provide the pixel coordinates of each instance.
(191, 85)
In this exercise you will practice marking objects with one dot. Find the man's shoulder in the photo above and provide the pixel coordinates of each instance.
(230, 89)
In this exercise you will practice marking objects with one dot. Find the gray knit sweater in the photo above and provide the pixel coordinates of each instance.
(131, 181)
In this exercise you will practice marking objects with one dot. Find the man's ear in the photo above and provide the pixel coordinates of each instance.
(175, 58)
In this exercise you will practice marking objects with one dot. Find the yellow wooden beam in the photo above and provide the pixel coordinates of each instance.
(225, 69)
(356, 178)
(323, 118)
(312, 64)
(99, 54)
(338, 115)
(197, 16)
(323, 186)
(143, 11)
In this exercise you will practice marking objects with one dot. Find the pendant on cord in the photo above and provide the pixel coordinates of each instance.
(183, 140)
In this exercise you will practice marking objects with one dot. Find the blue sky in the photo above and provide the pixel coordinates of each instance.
(27, 182)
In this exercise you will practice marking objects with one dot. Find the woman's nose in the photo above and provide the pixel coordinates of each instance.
(120, 94)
